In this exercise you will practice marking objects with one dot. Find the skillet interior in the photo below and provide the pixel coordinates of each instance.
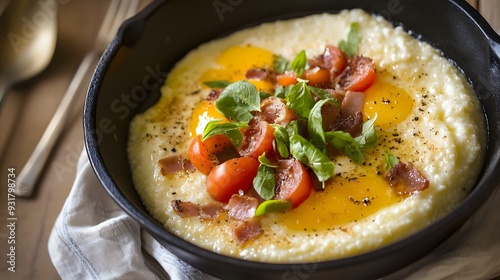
(129, 74)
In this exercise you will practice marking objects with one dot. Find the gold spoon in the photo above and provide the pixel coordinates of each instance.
(28, 30)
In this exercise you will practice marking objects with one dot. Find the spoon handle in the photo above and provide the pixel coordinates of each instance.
(4, 87)
(28, 176)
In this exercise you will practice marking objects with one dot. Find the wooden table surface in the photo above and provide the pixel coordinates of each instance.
(24, 116)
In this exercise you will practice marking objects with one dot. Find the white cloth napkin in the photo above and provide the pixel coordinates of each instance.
(93, 238)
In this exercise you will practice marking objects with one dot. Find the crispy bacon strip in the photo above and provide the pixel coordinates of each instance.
(350, 118)
(173, 164)
(214, 94)
(405, 179)
(248, 229)
(189, 209)
(242, 207)
(256, 74)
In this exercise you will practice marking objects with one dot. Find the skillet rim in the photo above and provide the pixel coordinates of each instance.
(469, 206)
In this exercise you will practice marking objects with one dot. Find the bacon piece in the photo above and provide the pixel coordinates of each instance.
(353, 102)
(337, 94)
(256, 74)
(329, 113)
(351, 124)
(214, 94)
(405, 179)
(350, 118)
(248, 229)
(173, 164)
(274, 110)
(189, 209)
(242, 207)
(185, 209)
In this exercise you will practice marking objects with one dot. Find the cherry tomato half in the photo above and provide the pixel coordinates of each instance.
(202, 154)
(231, 176)
(286, 79)
(258, 140)
(318, 76)
(293, 182)
(359, 75)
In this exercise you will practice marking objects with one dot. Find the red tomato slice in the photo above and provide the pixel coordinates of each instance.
(293, 182)
(318, 76)
(286, 79)
(258, 139)
(231, 176)
(359, 75)
(202, 154)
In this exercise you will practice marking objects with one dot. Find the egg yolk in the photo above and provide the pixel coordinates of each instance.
(204, 112)
(233, 63)
(390, 103)
(343, 201)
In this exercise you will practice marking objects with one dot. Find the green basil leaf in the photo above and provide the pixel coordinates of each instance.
(281, 65)
(323, 94)
(263, 95)
(217, 84)
(265, 161)
(293, 128)
(390, 160)
(315, 126)
(269, 206)
(238, 101)
(299, 64)
(350, 47)
(344, 142)
(315, 123)
(282, 140)
(300, 99)
(311, 156)
(264, 182)
(282, 92)
(368, 136)
(231, 129)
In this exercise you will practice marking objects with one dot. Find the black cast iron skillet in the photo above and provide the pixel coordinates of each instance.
(131, 70)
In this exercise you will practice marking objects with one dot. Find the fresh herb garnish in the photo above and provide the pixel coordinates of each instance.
(390, 160)
(344, 142)
(315, 125)
(354, 147)
(274, 205)
(217, 84)
(311, 156)
(281, 65)
(263, 95)
(299, 64)
(230, 129)
(350, 47)
(238, 101)
(282, 140)
(368, 135)
(264, 183)
(300, 99)
(323, 94)
(282, 92)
